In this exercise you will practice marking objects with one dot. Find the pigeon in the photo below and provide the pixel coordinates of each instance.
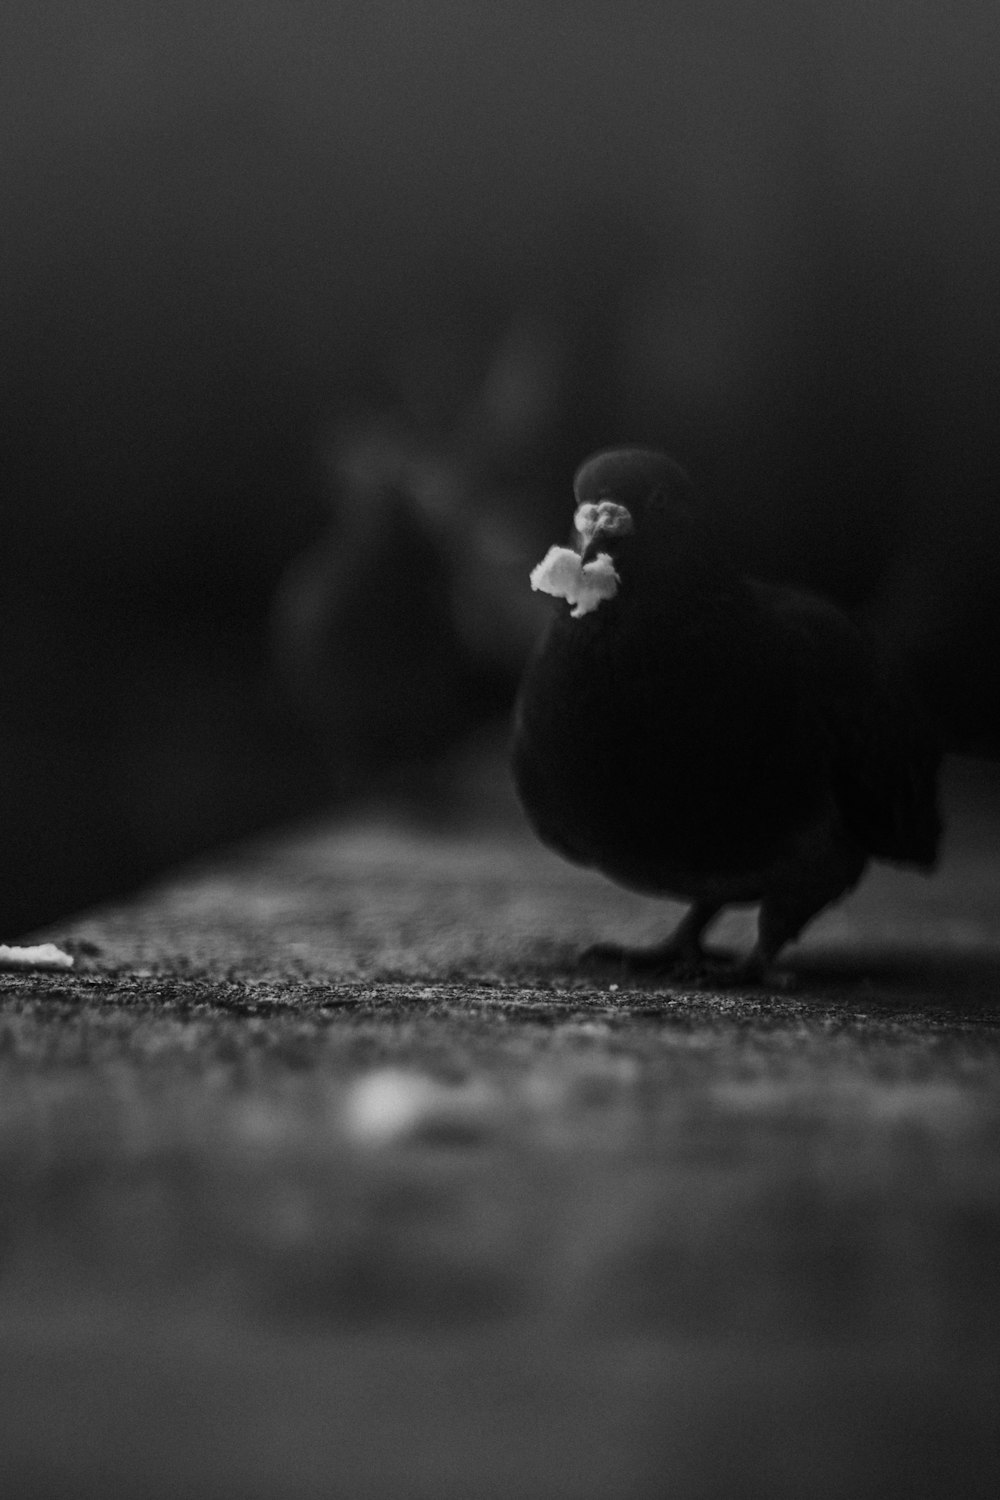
(697, 734)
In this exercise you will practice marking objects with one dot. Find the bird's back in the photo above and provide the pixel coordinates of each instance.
(884, 754)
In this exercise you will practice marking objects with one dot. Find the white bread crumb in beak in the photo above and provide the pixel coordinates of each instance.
(562, 574)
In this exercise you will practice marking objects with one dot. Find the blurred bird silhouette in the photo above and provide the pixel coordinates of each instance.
(403, 627)
(406, 625)
(364, 623)
(693, 733)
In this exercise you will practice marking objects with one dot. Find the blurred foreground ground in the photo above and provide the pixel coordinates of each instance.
(325, 1175)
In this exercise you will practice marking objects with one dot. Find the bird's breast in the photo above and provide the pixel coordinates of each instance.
(669, 760)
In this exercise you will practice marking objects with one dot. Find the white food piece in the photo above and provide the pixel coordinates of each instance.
(40, 956)
(562, 574)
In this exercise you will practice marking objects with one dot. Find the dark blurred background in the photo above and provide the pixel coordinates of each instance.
(309, 311)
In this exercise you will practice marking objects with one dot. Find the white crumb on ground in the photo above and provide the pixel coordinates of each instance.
(562, 574)
(40, 956)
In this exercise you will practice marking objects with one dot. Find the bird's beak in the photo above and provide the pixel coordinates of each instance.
(596, 544)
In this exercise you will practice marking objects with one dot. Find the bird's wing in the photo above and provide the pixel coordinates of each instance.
(884, 758)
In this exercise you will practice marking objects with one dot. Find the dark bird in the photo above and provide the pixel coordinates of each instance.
(697, 734)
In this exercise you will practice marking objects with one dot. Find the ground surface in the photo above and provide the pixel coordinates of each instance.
(326, 1175)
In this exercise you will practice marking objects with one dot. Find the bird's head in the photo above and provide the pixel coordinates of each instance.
(636, 527)
(626, 499)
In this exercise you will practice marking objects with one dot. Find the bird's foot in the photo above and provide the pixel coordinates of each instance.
(678, 961)
(743, 973)
(687, 963)
(753, 972)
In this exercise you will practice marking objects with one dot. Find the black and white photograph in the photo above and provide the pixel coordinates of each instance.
(499, 750)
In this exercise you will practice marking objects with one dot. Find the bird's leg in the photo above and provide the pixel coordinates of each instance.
(785, 912)
(773, 932)
(682, 950)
